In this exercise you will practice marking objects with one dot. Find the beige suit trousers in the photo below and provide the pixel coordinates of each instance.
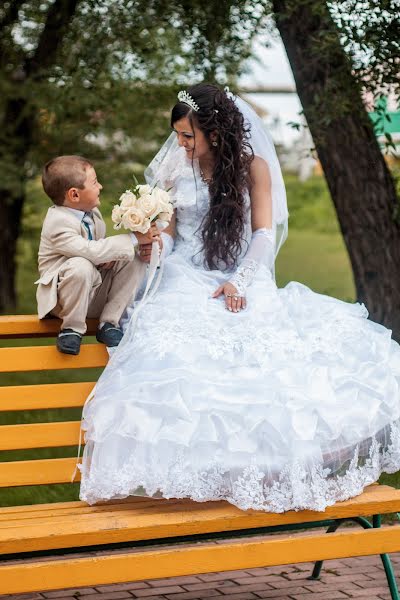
(83, 290)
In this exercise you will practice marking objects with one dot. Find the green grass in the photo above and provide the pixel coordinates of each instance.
(319, 260)
(314, 254)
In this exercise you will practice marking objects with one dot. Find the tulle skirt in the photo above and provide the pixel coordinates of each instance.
(293, 403)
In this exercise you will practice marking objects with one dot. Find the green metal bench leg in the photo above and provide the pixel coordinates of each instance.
(331, 529)
(387, 563)
(318, 565)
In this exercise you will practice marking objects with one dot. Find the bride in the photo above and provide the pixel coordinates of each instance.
(225, 387)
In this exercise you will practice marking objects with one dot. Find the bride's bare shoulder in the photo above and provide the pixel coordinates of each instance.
(258, 164)
(259, 170)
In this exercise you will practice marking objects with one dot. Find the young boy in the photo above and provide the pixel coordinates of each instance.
(82, 272)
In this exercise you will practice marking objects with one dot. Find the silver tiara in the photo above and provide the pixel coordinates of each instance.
(187, 99)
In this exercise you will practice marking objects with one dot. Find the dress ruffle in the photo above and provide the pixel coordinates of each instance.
(293, 403)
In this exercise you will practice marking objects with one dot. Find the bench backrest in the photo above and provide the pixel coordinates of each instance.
(35, 397)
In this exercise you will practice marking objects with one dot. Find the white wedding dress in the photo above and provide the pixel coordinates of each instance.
(293, 403)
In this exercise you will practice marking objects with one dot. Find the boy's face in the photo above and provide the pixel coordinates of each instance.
(87, 198)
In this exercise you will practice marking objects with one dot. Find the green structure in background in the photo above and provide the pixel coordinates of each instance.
(386, 124)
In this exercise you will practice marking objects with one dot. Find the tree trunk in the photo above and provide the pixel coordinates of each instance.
(16, 132)
(16, 140)
(359, 181)
(10, 218)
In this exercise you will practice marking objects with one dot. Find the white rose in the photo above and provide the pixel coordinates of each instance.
(166, 210)
(144, 189)
(135, 220)
(116, 214)
(127, 199)
(163, 203)
(145, 226)
(161, 195)
(148, 204)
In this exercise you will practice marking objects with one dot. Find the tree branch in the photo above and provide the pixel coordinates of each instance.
(58, 19)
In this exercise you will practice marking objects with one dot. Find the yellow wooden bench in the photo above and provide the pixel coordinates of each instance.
(126, 540)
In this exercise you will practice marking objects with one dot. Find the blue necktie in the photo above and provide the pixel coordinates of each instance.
(87, 221)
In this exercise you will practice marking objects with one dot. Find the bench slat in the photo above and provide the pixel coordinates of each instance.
(39, 435)
(19, 326)
(40, 358)
(33, 511)
(146, 518)
(51, 395)
(189, 560)
(37, 472)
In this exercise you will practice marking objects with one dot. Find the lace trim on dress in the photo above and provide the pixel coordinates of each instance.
(297, 487)
(331, 338)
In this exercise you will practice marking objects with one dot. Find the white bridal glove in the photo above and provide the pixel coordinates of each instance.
(168, 245)
(261, 251)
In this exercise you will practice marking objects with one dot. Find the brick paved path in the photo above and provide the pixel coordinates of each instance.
(361, 578)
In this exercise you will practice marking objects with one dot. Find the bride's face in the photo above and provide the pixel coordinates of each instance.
(192, 139)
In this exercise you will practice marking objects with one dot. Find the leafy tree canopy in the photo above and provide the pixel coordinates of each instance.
(116, 70)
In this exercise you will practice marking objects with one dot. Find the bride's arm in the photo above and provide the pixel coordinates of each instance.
(260, 195)
(261, 248)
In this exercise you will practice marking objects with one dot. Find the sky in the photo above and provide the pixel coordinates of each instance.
(270, 67)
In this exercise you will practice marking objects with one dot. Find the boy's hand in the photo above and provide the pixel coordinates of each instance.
(153, 235)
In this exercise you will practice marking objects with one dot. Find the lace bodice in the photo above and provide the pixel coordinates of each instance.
(191, 198)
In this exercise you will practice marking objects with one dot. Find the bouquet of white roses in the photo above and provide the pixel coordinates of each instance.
(140, 207)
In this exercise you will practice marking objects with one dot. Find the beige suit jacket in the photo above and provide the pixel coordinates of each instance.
(64, 236)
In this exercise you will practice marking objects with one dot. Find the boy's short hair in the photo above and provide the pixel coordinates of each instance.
(63, 173)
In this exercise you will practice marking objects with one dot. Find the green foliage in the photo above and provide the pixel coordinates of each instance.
(220, 33)
(352, 48)
(370, 33)
(106, 88)
(98, 78)
(327, 87)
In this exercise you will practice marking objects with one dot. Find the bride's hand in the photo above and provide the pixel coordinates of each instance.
(233, 301)
(153, 235)
(144, 251)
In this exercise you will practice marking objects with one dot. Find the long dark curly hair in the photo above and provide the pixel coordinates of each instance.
(222, 229)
